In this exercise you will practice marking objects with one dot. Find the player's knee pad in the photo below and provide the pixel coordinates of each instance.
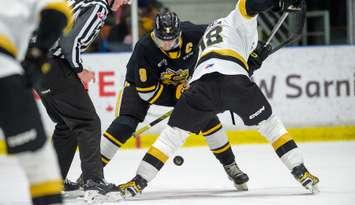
(272, 128)
(168, 142)
(42, 171)
(170, 139)
(282, 142)
(120, 130)
(22, 125)
(214, 136)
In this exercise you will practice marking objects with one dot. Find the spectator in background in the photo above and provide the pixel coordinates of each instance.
(148, 9)
(116, 35)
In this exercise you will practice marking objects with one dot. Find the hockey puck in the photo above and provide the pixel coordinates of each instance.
(178, 160)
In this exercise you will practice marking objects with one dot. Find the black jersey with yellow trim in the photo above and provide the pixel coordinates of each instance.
(150, 69)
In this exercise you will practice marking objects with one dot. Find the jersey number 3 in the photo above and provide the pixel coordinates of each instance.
(212, 37)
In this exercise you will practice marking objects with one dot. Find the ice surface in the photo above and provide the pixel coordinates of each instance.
(201, 179)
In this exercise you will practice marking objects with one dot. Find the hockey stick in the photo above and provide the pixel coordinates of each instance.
(294, 36)
(276, 28)
(151, 124)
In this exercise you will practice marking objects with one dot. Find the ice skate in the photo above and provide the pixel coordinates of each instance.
(238, 177)
(307, 180)
(72, 189)
(100, 191)
(133, 187)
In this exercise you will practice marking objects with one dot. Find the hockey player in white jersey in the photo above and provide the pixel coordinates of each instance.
(229, 54)
(19, 116)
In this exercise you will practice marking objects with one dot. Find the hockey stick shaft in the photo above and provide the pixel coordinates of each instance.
(295, 36)
(276, 27)
(151, 124)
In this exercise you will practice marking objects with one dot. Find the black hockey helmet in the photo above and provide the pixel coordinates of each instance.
(167, 25)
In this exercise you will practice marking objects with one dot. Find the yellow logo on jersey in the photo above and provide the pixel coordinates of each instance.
(172, 77)
(188, 47)
(142, 74)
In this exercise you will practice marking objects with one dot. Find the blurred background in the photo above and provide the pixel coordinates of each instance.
(328, 22)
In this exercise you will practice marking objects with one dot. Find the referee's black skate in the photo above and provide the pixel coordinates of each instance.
(133, 187)
(70, 185)
(72, 189)
(238, 177)
(99, 191)
(307, 180)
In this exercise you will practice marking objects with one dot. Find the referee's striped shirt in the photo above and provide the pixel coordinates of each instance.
(89, 18)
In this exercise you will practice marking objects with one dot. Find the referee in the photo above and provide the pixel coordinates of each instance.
(64, 93)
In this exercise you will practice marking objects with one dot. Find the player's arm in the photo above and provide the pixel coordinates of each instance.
(145, 79)
(86, 24)
(55, 17)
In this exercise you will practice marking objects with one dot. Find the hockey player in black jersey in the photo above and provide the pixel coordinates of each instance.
(157, 73)
(221, 81)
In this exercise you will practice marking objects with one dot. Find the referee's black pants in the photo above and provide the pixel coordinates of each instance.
(77, 123)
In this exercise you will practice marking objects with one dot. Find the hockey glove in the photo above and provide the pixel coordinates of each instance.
(36, 65)
(256, 58)
(180, 89)
(288, 5)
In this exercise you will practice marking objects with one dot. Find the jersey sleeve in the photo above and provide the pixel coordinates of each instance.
(60, 6)
(250, 8)
(146, 79)
(241, 7)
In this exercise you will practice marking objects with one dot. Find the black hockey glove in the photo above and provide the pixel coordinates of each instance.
(288, 5)
(36, 65)
(256, 58)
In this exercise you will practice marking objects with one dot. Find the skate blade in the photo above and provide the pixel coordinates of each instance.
(241, 187)
(313, 188)
(95, 197)
(73, 194)
(114, 196)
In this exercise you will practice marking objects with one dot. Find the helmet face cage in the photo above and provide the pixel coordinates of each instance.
(167, 26)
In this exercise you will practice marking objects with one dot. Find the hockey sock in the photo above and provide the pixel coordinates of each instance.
(219, 144)
(116, 136)
(168, 142)
(282, 142)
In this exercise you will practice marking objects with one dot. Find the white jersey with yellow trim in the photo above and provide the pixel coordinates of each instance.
(227, 44)
(18, 19)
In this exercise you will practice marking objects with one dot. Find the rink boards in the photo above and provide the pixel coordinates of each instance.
(311, 89)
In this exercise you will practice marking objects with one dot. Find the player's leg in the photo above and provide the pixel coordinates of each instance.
(172, 137)
(219, 145)
(257, 111)
(26, 139)
(132, 111)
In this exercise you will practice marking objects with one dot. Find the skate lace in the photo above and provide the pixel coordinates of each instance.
(233, 170)
(308, 176)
